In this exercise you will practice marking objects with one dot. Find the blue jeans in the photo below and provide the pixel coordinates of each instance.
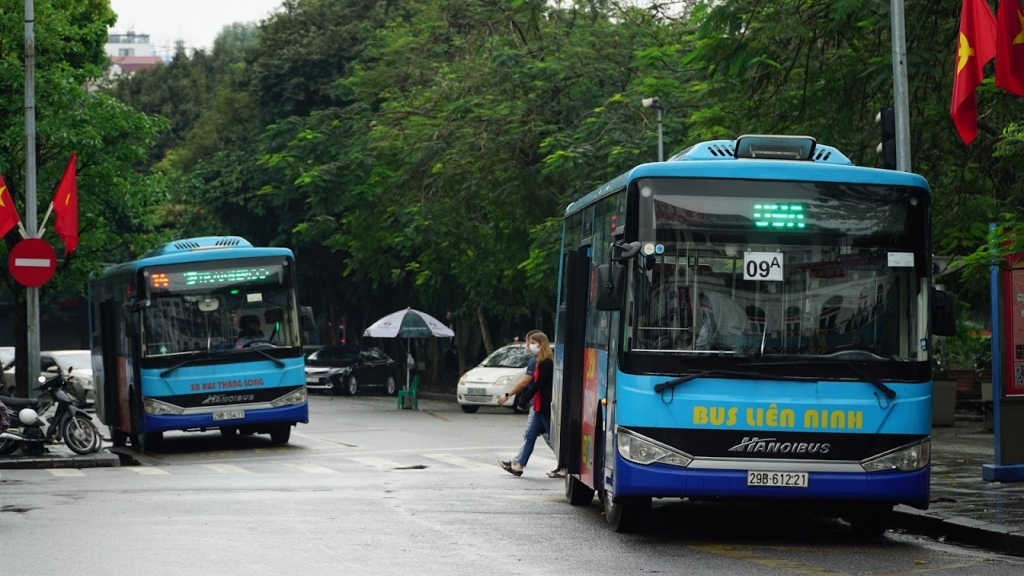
(536, 425)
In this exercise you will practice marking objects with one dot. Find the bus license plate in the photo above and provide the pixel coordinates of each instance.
(782, 479)
(233, 415)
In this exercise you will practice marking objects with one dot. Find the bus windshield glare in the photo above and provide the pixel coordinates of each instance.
(783, 269)
(218, 306)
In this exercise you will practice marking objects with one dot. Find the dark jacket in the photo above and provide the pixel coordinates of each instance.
(542, 383)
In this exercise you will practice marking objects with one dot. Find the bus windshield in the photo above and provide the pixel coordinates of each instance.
(215, 307)
(793, 270)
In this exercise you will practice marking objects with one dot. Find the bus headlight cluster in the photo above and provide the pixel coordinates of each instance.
(293, 398)
(905, 459)
(158, 408)
(646, 451)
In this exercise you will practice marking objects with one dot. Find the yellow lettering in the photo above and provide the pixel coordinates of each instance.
(750, 417)
(855, 419)
(717, 415)
(787, 418)
(838, 419)
(824, 418)
(700, 415)
(772, 416)
(810, 419)
(760, 416)
(732, 416)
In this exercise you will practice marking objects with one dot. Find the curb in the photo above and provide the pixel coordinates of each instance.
(102, 459)
(994, 537)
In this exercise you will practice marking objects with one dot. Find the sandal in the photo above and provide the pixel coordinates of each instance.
(561, 473)
(507, 466)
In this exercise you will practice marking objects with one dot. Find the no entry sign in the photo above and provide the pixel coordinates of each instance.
(32, 262)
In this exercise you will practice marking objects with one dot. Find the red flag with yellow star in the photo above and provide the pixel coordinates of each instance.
(976, 45)
(1010, 47)
(8, 211)
(65, 206)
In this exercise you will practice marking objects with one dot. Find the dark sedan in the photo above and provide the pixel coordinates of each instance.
(350, 369)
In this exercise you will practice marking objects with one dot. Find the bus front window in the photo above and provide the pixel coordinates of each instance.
(177, 324)
(819, 269)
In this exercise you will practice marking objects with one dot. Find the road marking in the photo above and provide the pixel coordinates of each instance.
(379, 463)
(144, 470)
(226, 468)
(65, 472)
(780, 564)
(460, 461)
(309, 468)
(936, 568)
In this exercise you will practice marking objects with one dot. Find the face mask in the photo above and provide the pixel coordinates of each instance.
(532, 347)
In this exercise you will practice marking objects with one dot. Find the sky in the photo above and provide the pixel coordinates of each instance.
(197, 22)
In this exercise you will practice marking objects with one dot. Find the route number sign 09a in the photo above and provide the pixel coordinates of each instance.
(762, 266)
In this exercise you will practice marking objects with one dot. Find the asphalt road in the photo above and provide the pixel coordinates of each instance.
(368, 489)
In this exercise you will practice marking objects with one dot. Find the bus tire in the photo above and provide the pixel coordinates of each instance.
(118, 437)
(870, 522)
(281, 434)
(626, 516)
(576, 492)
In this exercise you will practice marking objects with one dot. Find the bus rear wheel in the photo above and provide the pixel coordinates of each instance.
(626, 516)
(576, 492)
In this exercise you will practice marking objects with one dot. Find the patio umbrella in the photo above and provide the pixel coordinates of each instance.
(407, 324)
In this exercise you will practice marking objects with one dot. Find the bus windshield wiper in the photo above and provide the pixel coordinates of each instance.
(860, 372)
(276, 361)
(737, 373)
(185, 362)
(194, 359)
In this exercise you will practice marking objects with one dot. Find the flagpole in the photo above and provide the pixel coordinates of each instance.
(45, 218)
(900, 91)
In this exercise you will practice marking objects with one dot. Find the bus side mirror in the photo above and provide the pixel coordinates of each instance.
(943, 313)
(611, 286)
(306, 315)
(623, 252)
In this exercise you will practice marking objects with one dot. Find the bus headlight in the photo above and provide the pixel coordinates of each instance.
(646, 451)
(906, 459)
(158, 408)
(293, 398)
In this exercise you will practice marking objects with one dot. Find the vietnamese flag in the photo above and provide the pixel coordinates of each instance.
(1010, 47)
(65, 206)
(975, 47)
(8, 211)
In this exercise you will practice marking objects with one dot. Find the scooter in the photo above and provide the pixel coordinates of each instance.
(37, 423)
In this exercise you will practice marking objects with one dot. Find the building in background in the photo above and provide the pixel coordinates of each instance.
(130, 52)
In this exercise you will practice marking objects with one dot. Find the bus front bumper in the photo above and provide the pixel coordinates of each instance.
(659, 480)
(245, 418)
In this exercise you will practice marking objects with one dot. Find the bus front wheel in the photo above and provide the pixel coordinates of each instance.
(576, 492)
(626, 516)
(281, 434)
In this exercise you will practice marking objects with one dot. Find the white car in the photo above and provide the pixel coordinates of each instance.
(7, 364)
(483, 385)
(75, 365)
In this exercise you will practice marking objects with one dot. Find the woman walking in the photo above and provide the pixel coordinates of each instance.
(539, 421)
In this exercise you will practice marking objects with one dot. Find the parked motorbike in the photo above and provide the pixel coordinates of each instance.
(51, 418)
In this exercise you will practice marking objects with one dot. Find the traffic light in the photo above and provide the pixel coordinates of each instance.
(887, 148)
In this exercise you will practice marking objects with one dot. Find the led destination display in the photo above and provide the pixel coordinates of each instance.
(165, 280)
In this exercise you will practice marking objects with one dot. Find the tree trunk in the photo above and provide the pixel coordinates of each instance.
(484, 332)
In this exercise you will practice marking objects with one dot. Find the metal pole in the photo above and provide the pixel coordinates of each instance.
(899, 75)
(31, 212)
(661, 153)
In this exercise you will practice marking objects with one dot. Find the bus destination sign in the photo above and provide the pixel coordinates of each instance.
(164, 280)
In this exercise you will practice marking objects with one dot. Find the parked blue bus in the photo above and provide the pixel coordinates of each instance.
(198, 334)
(749, 320)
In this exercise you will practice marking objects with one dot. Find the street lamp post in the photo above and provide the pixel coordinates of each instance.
(656, 104)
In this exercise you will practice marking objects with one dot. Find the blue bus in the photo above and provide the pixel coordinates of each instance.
(749, 320)
(199, 334)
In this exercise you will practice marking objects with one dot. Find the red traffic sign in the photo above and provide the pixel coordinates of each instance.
(32, 262)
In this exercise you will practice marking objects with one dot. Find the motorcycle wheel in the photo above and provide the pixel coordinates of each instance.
(8, 446)
(81, 435)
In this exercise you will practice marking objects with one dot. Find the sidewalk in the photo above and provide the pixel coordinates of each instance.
(965, 508)
(60, 456)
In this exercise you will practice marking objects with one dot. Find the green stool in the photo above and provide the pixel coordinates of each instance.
(410, 393)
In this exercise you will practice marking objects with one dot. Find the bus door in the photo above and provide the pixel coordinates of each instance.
(107, 403)
(570, 402)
